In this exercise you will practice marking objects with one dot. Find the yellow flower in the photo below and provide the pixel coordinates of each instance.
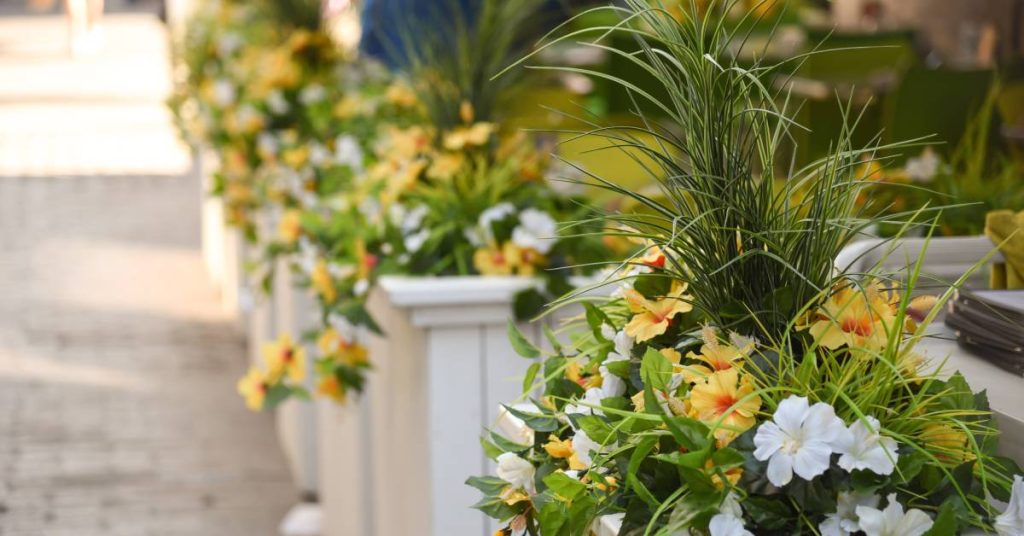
(715, 355)
(721, 396)
(731, 475)
(295, 157)
(284, 357)
(466, 112)
(331, 388)
(445, 166)
(472, 136)
(494, 260)
(290, 227)
(653, 317)
(253, 387)
(854, 317)
(323, 283)
(400, 95)
(349, 106)
(332, 344)
(562, 449)
(947, 443)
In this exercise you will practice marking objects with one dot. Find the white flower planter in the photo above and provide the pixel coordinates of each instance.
(223, 247)
(294, 312)
(401, 457)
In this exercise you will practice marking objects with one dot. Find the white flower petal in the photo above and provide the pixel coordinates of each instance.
(780, 469)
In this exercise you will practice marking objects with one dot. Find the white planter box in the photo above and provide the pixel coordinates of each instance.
(399, 460)
(294, 312)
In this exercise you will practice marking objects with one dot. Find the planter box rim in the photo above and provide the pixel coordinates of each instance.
(414, 291)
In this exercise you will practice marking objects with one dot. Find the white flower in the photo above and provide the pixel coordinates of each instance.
(863, 447)
(516, 471)
(592, 397)
(267, 143)
(514, 428)
(318, 154)
(893, 521)
(347, 152)
(1011, 521)
(728, 525)
(844, 521)
(798, 439)
(731, 505)
(415, 241)
(228, 43)
(484, 234)
(536, 230)
(312, 94)
(223, 92)
(923, 168)
(276, 102)
(308, 255)
(583, 447)
(611, 384)
(361, 287)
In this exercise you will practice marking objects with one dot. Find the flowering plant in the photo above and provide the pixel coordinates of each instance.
(432, 185)
(733, 384)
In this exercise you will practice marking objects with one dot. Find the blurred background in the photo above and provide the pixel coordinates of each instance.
(117, 360)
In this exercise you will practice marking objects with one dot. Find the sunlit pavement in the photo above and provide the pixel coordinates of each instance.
(117, 366)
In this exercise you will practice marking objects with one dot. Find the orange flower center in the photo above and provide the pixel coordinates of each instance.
(723, 402)
(859, 325)
(287, 355)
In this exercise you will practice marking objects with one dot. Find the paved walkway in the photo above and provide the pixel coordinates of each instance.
(117, 366)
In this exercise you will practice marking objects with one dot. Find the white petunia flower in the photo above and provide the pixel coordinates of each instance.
(923, 168)
(798, 440)
(584, 448)
(223, 92)
(592, 397)
(347, 152)
(361, 287)
(515, 429)
(611, 384)
(893, 521)
(536, 230)
(276, 102)
(1011, 521)
(863, 447)
(312, 94)
(267, 143)
(731, 505)
(728, 525)
(516, 471)
(483, 234)
(318, 154)
(416, 240)
(228, 43)
(845, 521)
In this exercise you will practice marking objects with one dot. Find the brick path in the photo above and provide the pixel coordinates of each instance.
(117, 366)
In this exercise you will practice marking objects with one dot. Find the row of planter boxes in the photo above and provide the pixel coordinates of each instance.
(394, 461)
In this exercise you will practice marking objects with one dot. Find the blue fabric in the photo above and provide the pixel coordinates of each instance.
(383, 22)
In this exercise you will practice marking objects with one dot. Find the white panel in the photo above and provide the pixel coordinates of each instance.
(345, 472)
(456, 383)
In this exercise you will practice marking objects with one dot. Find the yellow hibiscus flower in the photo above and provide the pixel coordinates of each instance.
(497, 260)
(562, 449)
(289, 229)
(721, 397)
(332, 344)
(445, 166)
(330, 387)
(295, 157)
(285, 358)
(854, 317)
(253, 387)
(653, 317)
(472, 136)
(323, 283)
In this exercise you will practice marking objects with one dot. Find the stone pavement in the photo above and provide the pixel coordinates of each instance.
(117, 366)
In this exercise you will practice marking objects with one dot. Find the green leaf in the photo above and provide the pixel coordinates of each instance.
(640, 453)
(520, 343)
(767, 513)
(688, 433)
(655, 370)
(946, 522)
(564, 485)
(531, 375)
(692, 460)
(556, 345)
(536, 421)
(528, 303)
(618, 368)
(596, 428)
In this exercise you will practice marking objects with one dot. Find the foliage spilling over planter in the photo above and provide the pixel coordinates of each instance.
(348, 172)
(734, 384)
